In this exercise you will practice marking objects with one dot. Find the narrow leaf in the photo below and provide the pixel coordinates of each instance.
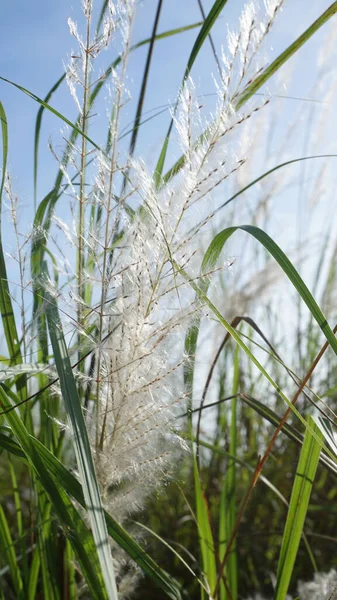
(81, 443)
(297, 511)
(257, 83)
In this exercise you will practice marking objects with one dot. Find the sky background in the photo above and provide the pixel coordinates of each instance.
(35, 44)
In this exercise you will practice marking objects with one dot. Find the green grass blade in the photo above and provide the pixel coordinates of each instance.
(327, 432)
(54, 112)
(74, 527)
(143, 85)
(6, 308)
(257, 83)
(70, 572)
(46, 566)
(216, 246)
(38, 130)
(81, 444)
(4, 131)
(19, 518)
(33, 575)
(298, 506)
(228, 495)
(7, 443)
(205, 534)
(7, 548)
(203, 34)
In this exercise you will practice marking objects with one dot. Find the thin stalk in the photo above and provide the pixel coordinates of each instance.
(82, 200)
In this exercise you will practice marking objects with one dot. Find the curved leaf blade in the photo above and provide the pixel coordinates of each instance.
(216, 246)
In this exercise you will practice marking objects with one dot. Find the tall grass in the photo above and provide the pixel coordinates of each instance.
(104, 398)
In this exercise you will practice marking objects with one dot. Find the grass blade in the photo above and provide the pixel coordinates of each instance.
(6, 308)
(143, 86)
(253, 87)
(9, 553)
(38, 130)
(53, 111)
(297, 511)
(81, 443)
(228, 495)
(202, 295)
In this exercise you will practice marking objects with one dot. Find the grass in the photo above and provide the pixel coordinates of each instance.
(116, 396)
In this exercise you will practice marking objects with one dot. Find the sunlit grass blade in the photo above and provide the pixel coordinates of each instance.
(81, 443)
(74, 526)
(259, 81)
(205, 534)
(327, 432)
(298, 506)
(55, 112)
